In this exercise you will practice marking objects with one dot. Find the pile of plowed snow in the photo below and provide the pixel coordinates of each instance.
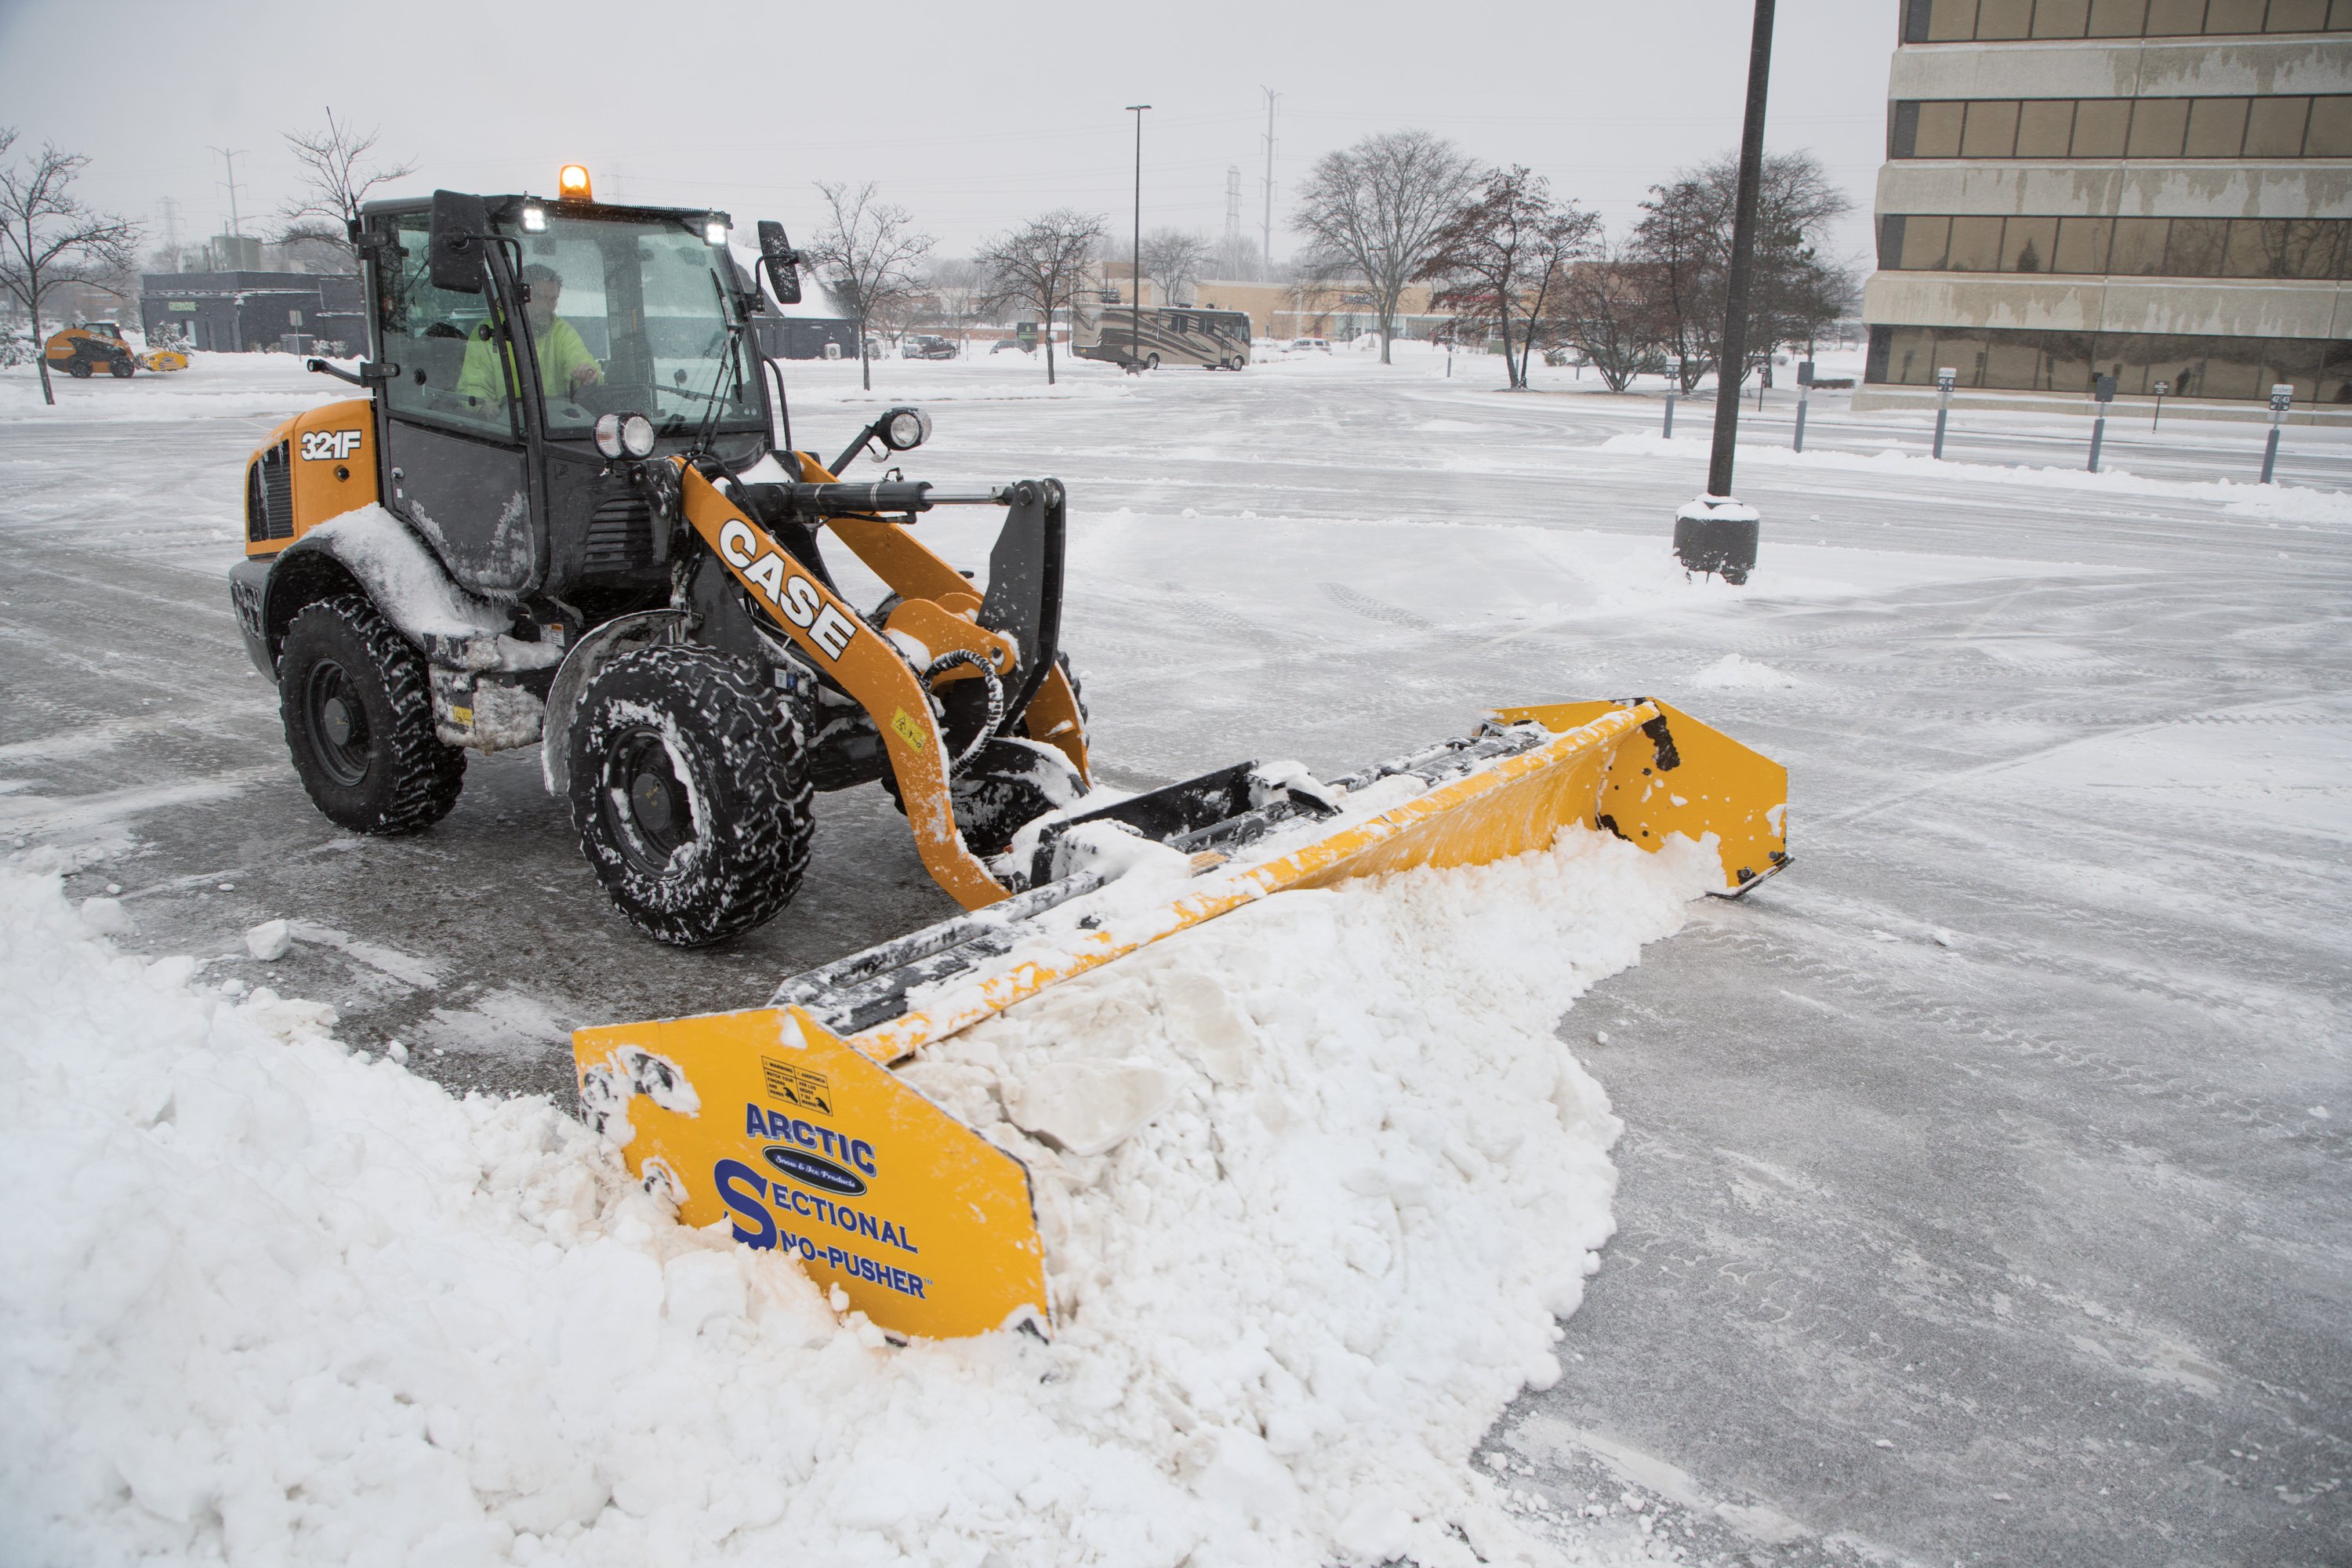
(268, 1300)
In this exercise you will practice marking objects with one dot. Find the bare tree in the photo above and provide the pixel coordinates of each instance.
(1173, 258)
(48, 239)
(868, 250)
(959, 290)
(1042, 264)
(1605, 310)
(336, 176)
(1377, 209)
(1236, 257)
(1510, 246)
(1685, 236)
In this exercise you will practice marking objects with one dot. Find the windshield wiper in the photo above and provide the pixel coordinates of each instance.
(735, 330)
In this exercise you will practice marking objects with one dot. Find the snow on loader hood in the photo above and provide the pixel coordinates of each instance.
(271, 1300)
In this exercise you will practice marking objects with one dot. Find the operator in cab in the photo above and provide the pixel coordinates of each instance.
(564, 362)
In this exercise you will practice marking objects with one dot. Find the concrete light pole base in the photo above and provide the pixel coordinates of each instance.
(1715, 533)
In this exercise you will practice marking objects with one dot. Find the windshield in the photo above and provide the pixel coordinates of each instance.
(631, 316)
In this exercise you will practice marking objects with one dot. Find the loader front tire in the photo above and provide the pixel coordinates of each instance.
(689, 792)
(358, 709)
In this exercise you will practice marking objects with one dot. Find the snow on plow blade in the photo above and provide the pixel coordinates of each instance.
(786, 1121)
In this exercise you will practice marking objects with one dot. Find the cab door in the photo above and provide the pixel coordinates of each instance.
(455, 436)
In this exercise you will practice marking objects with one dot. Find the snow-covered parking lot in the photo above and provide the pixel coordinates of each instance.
(1983, 1193)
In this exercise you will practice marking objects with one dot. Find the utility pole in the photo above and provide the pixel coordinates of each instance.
(1135, 311)
(1267, 256)
(1714, 532)
(171, 229)
(1232, 215)
(230, 155)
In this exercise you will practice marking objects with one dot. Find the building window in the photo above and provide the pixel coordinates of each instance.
(2285, 127)
(2123, 248)
(2320, 370)
(1994, 21)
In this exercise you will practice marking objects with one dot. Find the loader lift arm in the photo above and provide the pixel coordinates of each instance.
(1012, 634)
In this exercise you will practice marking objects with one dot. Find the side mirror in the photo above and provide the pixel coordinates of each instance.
(454, 254)
(779, 262)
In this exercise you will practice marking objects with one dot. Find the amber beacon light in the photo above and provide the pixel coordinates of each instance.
(571, 184)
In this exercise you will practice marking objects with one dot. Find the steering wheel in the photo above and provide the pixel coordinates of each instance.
(604, 397)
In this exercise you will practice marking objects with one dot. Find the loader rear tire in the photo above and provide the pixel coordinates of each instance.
(689, 792)
(357, 704)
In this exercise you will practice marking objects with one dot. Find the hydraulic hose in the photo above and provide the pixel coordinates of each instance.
(956, 658)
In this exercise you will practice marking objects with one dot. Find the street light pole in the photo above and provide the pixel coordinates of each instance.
(1714, 532)
(1135, 272)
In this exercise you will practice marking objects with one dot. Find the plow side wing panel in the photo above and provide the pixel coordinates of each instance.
(1690, 778)
(768, 1121)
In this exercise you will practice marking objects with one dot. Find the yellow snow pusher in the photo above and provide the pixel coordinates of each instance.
(788, 1121)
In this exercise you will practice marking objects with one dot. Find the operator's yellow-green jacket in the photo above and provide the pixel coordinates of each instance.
(560, 353)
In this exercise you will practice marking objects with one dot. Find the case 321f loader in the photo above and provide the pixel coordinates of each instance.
(568, 511)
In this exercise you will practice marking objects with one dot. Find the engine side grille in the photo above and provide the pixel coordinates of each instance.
(620, 536)
(269, 496)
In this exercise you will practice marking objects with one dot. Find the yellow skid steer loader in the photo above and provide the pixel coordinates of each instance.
(570, 512)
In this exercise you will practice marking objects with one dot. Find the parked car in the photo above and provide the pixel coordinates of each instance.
(1001, 344)
(925, 345)
(1302, 345)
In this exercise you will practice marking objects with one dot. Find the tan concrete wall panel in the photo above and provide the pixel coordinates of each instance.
(2168, 69)
(1944, 300)
(2269, 309)
(2184, 189)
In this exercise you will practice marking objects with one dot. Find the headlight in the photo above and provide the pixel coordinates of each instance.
(625, 434)
(714, 231)
(534, 220)
(903, 429)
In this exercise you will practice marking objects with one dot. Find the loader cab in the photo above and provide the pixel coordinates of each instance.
(502, 352)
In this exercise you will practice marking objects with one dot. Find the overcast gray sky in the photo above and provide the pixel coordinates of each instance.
(974, 117)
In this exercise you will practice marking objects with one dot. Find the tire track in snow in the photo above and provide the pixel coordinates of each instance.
(1962, 1022)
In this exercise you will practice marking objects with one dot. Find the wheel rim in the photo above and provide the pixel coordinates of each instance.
(338, 723)
(648, 811)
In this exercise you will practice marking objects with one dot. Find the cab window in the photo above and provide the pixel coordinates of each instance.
(428, 334)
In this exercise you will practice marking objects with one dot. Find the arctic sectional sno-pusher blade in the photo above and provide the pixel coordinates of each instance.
(787, 1123)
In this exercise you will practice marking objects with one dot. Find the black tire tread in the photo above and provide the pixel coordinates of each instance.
(762, 800)
(427, 774)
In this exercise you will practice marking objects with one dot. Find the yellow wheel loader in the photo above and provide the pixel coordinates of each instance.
(569, 512)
